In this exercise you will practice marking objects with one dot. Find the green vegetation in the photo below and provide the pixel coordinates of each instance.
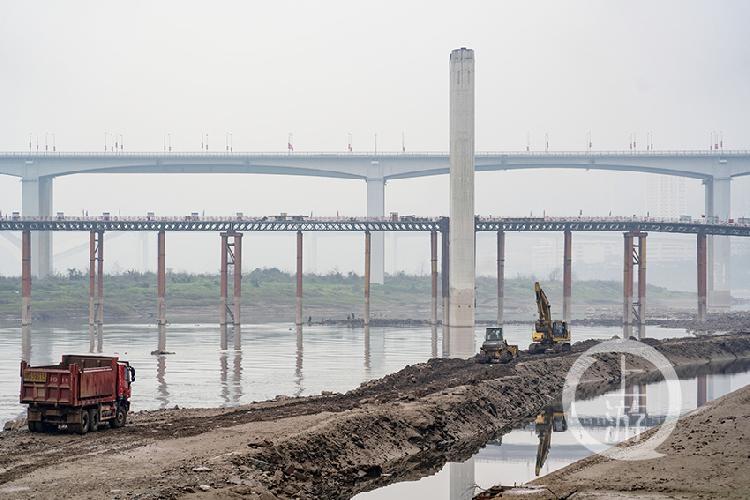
(268, 295)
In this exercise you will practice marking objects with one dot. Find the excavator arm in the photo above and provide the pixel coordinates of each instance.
(542, 303)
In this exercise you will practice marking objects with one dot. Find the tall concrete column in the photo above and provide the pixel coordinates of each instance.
(161, 289)
(434, 277)
(368, 246)
(701, 275)
(718, 202)
(567, 274)
(36, 201)
(462, 230)
(500, 276)
(26, 278)
(376, 208)
(298, 315)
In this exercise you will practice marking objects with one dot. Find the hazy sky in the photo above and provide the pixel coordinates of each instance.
(321, 70)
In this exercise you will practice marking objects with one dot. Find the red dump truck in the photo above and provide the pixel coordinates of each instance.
(80, 393)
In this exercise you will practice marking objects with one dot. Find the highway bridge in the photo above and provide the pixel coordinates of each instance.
(715, 168)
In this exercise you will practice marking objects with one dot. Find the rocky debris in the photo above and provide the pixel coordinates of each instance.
(15, 424)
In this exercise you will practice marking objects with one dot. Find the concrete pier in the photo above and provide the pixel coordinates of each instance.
(701, 275)
(627, 290)
(161, 288)
(298, 315)
(462, 231)
(376, 208)
(99, 319)
(434, 277)
(368, 247)
(642, 285)
(237, 282)
(26, 278)
(92, 287)
(634, 313)
(230, 313)
(717, 205)
(500, 276)
(567, 274)
(445, 275)
(36, 201)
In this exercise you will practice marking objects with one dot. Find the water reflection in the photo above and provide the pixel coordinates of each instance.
(298, 363)
(231, 391)
(550, 419)
(26, 343)
(434, 342)
(236, 331)
(162, 393)
(367, 352)
(462, 484)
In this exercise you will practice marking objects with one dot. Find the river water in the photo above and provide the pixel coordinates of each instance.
(279, 359)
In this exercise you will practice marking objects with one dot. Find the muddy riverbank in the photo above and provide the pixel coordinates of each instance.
(329, 446)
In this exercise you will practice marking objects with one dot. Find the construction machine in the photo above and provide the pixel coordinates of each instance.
(551, 419)
(495, 348)
(548, 334)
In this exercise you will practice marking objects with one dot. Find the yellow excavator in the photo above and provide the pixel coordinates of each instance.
(551, 419)
(548, 334)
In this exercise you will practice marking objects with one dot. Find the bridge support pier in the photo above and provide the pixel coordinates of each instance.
(298, 315)
(368, 243)
(376, 208)
(25, 278)
(161, 289)
(36, 201)
(229, 314)
(500, 276)
(634, 313)
(96, 289)
(718, 201)
(433, 277)
(567, 274)
(701, 274)
(445, 275)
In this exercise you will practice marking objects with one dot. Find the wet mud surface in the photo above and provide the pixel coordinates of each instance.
(402, 426)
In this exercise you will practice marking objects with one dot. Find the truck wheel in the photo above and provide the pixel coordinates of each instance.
(83, 427)
(36, 427)
(121, 417)
(505, 357)
(94, 419)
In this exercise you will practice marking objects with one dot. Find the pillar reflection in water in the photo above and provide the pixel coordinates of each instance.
(367, 352)
(462, 484)
(231, 390)
(162, 393)
(99, 338)
(434, 351)
(26, 343)
(298, 366)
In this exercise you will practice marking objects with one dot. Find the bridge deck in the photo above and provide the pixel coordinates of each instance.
(359, 224)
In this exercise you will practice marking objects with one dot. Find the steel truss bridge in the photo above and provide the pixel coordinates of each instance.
(373, 224)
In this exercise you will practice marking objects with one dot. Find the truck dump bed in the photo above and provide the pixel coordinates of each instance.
(76, 381)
